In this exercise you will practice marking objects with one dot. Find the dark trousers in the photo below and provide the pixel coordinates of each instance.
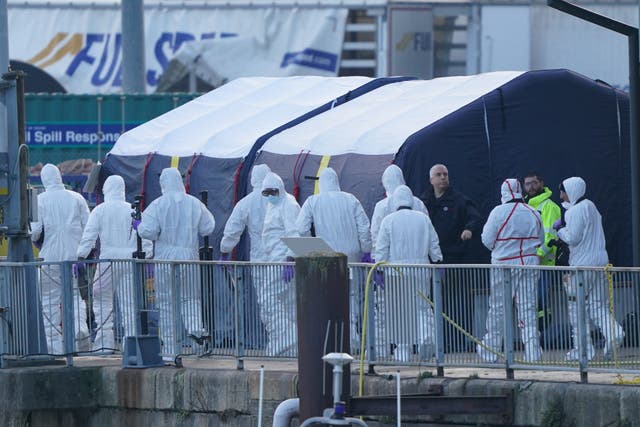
(458, 286)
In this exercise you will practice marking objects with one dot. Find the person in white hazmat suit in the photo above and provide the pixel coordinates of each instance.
(584, 234)
(512, 233)
(276, 288)
(173, 222)
(392, 178)
(407, 237)
(62, 215)
(248, 214)
(110, 221)
(340, 220)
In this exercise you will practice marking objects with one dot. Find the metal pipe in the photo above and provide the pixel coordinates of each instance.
(260, 395)
(99, 103)
(285, 412)
(634, 145)
(4, 102)
(133, 52)
(508, 338)
(634, 150)
(584, 338)
(205, 5)
(337, 383)
(398, 400)
(4, 38)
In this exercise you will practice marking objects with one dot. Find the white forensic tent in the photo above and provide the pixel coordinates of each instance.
(209, 137)
(360, 139)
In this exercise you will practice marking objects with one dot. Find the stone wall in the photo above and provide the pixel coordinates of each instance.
(111, 396)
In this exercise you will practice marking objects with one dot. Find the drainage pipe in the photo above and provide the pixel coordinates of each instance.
(285, 412)
(398, 403)
(260, 396)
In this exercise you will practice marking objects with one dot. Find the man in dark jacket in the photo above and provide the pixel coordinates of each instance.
(457, 222)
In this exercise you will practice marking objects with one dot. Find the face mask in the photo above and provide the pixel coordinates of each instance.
(566, 205)
(273, 199)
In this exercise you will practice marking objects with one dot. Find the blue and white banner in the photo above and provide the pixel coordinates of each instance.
(81, 47)
(411, 41)
(75, 134)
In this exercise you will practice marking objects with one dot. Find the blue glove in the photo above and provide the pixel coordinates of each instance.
(149, 271)
(78, 267)
(224, 256)
(287, 273)
(378, 278)
(135, 223)
(558, 224)
(366, 257)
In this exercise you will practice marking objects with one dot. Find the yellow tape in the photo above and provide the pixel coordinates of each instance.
(324, 163)
(175, 160)
(363, 333)
(612, 340)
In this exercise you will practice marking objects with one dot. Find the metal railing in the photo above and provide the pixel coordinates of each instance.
(582, 319)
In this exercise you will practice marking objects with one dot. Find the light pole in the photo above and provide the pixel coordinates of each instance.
(634, 151)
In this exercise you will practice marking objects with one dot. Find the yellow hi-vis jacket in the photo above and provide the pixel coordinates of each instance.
(549, 213)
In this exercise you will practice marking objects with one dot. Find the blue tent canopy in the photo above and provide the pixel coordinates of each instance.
(556, 123)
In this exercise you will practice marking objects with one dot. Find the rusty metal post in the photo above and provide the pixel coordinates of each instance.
(322, 297)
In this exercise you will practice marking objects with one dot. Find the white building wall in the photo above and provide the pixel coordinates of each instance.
(563, 41)
(505, 38)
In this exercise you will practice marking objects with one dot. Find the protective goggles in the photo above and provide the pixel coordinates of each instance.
(270, 192)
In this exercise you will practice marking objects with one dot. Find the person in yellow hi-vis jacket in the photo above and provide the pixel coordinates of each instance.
(538, 196)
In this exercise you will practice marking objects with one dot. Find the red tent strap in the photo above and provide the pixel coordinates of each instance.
(194, 160)
(144, 179)
(236, 183)
(297, 172)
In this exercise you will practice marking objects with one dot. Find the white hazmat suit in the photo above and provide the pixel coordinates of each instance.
(585, 236)
(62, 215)
(340, 220)
(392, 178)
(110, 221)
(512, 233)
(174, 221)
(248, 213)
(407, 237)
(276, 297)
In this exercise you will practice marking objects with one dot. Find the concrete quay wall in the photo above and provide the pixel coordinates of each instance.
(100, 396)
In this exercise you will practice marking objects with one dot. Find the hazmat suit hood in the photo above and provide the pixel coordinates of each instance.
(171, 181)
(510, 190)
(328, 181)
(402, 197)
(274, 181)
(257, 176)
(113, 189)
(392, 178)
(51, 178)
(575, 187)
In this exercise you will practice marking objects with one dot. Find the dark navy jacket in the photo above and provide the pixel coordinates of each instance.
(450, 214)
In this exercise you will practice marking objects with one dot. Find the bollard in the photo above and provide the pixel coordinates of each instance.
(322, 301)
